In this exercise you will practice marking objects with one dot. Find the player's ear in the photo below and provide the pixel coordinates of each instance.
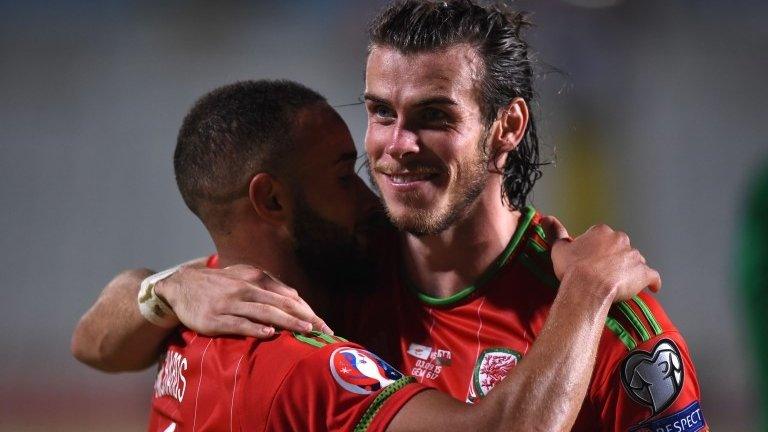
(510, 126)
(269, 198)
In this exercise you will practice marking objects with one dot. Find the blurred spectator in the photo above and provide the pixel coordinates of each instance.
(752, 265)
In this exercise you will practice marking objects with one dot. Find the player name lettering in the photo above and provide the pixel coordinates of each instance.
(170, 379)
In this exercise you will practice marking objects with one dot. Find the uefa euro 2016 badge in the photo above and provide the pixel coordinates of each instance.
(655, 378)
(492, 366)
(360, 371)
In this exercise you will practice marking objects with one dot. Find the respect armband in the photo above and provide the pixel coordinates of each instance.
(153, 308)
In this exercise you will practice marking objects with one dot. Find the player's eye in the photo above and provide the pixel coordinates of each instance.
(434, 115)
(381, 112)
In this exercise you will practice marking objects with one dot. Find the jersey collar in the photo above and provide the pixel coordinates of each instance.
(525, 221)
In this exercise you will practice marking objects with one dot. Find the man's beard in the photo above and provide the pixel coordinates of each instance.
(470, 181)
(329, 254)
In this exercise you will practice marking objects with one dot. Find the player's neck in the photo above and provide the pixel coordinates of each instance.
(444, 264)
(278, 260)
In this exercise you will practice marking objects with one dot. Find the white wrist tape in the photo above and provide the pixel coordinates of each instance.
(151, 306)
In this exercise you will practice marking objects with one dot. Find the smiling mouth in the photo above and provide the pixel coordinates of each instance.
(407, 178)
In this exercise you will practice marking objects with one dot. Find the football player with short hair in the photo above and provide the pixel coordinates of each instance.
(469, 281)
(248, 157)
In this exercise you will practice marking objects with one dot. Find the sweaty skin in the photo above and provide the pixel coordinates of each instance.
(546, 389)
(423, 144)
(134, 345)
(422, 112)
(112, 336)
(542, 392)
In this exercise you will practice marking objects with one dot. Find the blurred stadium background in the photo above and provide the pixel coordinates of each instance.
(655, 110)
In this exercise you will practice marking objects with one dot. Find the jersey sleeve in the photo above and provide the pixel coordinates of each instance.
(645, 379)
(340, 387)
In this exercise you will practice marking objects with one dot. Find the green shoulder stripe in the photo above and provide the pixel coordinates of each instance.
(635, 320)
(541, 273)
(326, 337)
(309, 340)
(621, 333)
(648, 315)
(378, 402)
(540, 231)
(317, 339)
(537, 247)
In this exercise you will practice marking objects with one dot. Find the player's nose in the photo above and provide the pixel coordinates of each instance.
(402, 143)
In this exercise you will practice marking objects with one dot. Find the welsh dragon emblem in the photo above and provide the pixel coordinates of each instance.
(492, 366)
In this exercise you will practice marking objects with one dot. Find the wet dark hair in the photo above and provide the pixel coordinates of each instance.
(234, 132)
(414, 26)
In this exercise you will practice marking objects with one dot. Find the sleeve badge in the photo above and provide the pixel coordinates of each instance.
(655, 378)
(360, 371)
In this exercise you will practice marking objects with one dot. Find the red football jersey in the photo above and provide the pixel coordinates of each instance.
(644, 378)
(290, 382)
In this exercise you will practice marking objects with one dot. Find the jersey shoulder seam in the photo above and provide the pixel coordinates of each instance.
(640, 321)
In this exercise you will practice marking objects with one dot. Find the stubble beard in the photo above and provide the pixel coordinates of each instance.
(470, 179)
(328, 253)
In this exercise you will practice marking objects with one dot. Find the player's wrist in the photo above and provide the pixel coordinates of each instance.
(153, 306)
(583, 282)
(164, 289)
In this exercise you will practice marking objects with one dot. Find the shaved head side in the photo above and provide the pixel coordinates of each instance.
(232, 133)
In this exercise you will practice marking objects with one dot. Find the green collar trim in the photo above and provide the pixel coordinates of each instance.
(488, 274)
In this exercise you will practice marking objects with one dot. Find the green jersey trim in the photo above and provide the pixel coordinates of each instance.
(326, 337)
(648, 315)
(447, 301)
(308, 340)
(621, 333)
(378, 402)
(635, 320)
(537, 247)
(543, 275)
(317, 339)
(528, 213)
(540, 231)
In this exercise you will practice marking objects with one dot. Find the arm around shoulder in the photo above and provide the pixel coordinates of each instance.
(113, 336)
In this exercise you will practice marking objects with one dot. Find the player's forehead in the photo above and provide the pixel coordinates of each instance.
(322, 137)
(405, 79)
